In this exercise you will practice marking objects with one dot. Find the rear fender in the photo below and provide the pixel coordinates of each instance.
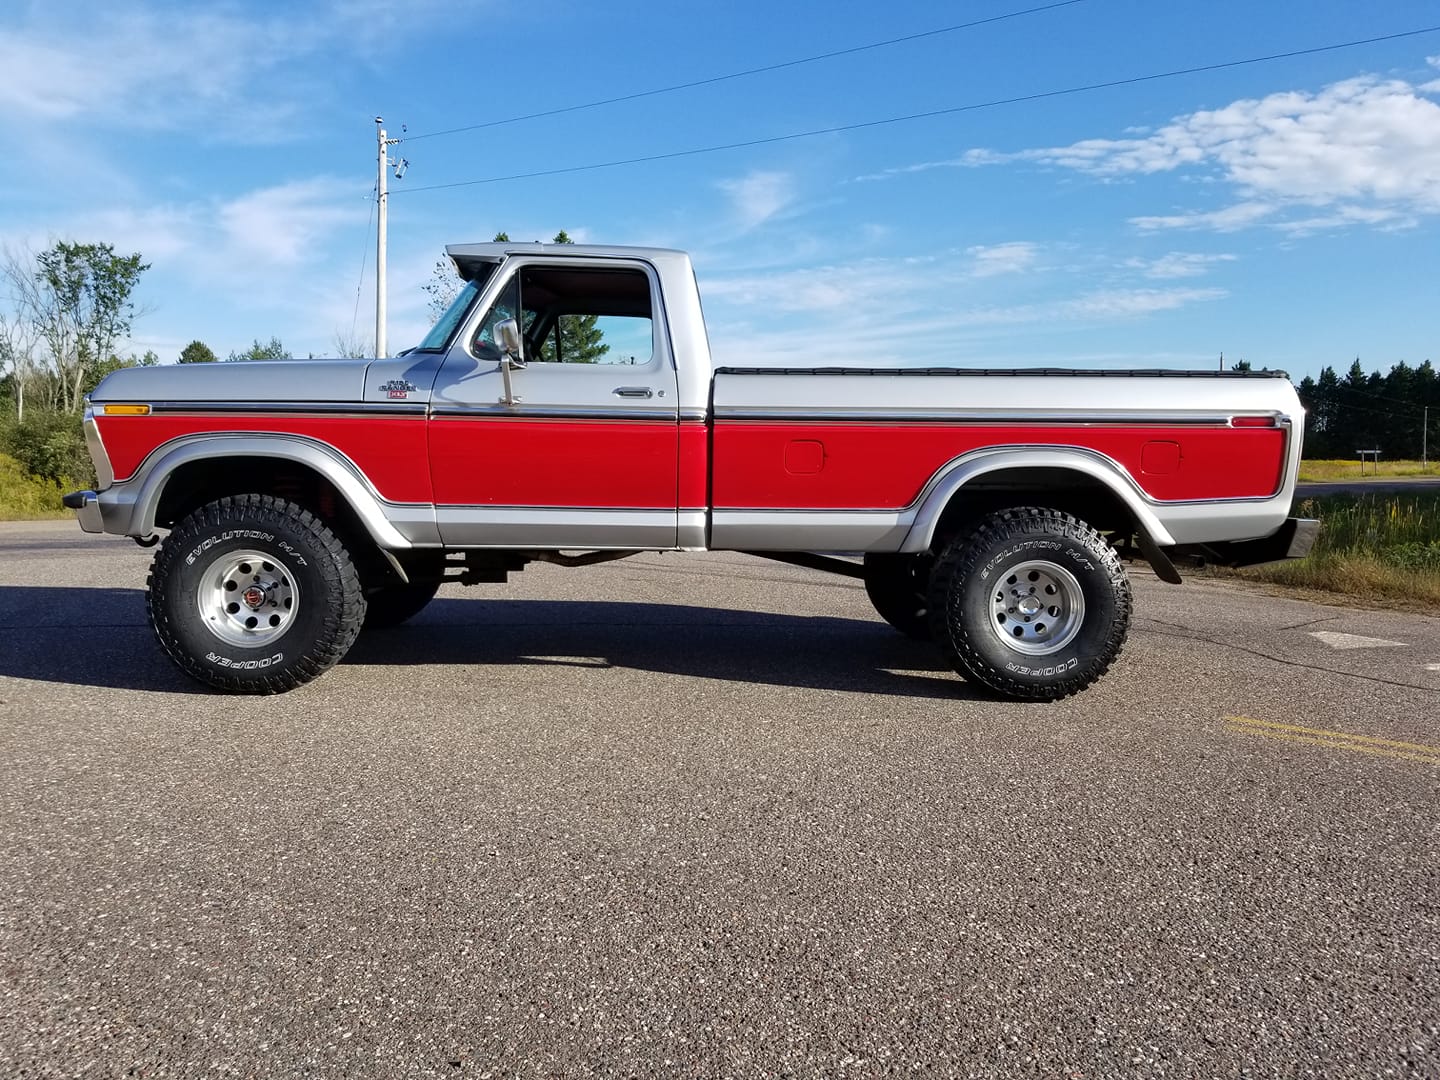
(951, 478)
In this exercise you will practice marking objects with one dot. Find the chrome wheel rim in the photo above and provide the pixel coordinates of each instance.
(1036, 607)
(247, 598)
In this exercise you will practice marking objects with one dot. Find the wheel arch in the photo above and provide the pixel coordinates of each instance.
(1082, 482)
(190, 472)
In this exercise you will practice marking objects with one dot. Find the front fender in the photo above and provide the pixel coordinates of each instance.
(129, 508)
(953, 476)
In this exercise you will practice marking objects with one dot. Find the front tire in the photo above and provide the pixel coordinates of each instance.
(1034, 605)
(254, 595)
(396, 602)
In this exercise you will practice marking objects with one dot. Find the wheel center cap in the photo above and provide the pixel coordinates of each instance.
(1030, 605)
(254, 597)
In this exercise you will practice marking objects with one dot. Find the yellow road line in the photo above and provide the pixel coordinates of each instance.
(1340, 740)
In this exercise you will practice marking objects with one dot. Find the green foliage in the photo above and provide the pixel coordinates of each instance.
(581, 340)
(1380, 547)
(24, 497)
(273, 350)
(49, 444)
(1372, 412)
(82, 307)
(197, 352)
(1374, 524)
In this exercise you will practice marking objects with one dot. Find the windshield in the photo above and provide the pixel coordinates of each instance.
(439, 336)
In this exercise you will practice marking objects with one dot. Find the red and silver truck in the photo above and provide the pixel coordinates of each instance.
(565, 408)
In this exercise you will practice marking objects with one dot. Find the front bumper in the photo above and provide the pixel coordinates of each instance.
(1293, 540)
(86, 505)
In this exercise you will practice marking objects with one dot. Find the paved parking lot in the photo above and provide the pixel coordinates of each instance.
(705, 816)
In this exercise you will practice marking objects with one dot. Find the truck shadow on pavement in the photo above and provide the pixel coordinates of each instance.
(101, 638)
(822, 652)
(84, 637)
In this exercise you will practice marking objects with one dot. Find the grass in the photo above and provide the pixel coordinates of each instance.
(25, 497)
(1378, 547)
(1319, 470)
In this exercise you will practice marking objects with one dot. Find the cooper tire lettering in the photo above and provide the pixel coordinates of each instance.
(238, 574)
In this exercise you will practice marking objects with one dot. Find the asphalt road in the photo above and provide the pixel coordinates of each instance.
(706, 816)
(1381, 485)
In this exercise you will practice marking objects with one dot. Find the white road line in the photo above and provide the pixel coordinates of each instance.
(1352, 641)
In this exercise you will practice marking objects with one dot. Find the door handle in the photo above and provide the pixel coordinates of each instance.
(633, 391)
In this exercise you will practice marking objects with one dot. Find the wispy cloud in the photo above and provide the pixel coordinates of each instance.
(208, 69)
(1178, 264)
(1010, 258)
(1230, 219)
(760, 196)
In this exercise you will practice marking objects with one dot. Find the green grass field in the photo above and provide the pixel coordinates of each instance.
(1317, 471)
(1381, 547)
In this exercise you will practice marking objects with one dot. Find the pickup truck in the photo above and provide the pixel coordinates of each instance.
(565, 409)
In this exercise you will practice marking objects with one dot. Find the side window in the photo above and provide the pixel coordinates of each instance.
(505, 308)
(574, 315)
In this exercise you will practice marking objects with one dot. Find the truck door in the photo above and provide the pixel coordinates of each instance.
(585, 454)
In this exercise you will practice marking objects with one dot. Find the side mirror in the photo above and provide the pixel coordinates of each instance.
(507, 336)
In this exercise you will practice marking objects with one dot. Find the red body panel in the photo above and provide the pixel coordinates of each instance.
(694, 465)
(389, 450)
(758, 465)
(624, 464)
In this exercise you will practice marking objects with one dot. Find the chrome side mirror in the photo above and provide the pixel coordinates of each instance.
(507, 336)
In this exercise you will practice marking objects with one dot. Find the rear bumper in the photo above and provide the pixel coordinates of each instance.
(1293, 540)
(86, 505)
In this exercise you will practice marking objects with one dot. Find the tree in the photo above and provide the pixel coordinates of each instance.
(273, 350)
(77, 298)
(350, 347)
(581, 339)
(18, 339)
(443, 287)
(197, 352)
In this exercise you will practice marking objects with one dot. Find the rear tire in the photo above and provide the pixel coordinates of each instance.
(254, 595)
(898, 587)
(1034, 605)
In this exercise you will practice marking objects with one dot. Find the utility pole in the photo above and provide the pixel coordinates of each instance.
(382, 196)
(1425, 440)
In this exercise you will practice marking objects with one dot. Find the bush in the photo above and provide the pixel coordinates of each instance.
(50, 445)
(24, 497)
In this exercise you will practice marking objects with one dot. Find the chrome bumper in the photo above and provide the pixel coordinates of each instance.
(1293, 540)
(86, 505)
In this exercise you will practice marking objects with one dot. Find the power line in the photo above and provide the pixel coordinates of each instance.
(364, 255)
(743, 74)
(1040, 96)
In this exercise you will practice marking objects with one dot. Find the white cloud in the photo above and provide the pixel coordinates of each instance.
(1177, 264)
(1231, 219)
(1010, 258)
(1367, 148)
(204, 68)
(760, 196)
(285, 224)
(1130, 303)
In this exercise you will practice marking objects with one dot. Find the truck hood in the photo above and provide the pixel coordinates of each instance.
(239, 381)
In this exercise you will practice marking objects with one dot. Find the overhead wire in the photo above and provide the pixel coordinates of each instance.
(745, 73)
(928, 114)
(364, 256)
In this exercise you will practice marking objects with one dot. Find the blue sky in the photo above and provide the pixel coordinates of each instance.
(1287, 213)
